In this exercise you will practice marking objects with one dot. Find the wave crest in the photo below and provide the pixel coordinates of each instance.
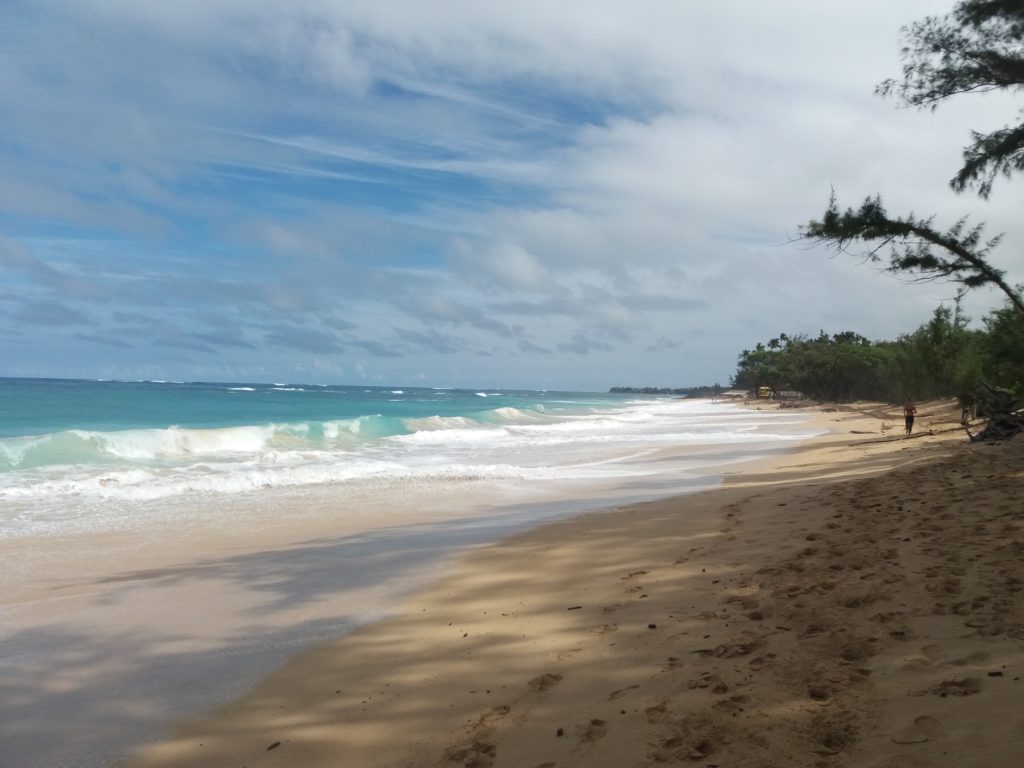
(175, 444)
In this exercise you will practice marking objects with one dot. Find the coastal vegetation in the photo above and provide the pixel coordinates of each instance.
(976, 48)
(942, 358)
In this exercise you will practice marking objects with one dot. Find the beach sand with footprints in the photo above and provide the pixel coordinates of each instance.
(856, 602)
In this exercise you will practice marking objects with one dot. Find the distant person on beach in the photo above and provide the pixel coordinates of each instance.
(909, 409)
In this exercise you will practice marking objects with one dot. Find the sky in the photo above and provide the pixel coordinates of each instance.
(570, 195)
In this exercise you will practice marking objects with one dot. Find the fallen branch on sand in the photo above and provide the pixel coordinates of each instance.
(1001, 426)
(1005, 419)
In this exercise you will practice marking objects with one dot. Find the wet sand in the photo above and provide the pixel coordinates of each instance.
(110, 637)
(855, 602)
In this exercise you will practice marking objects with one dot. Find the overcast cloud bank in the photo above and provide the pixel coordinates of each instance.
(570, 195)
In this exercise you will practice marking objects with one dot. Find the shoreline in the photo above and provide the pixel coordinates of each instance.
(665, 631)
(110, 638)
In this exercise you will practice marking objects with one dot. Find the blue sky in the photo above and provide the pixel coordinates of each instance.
(550, 195)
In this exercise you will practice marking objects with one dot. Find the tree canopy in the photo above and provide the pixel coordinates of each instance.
(917, 248)
(978, 47)
(942, 358)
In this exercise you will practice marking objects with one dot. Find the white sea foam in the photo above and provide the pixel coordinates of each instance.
(145, 444)
(84, 477)
(431, 423)
(479, 435)
(83, 447)
(518, 415)
(342, 427)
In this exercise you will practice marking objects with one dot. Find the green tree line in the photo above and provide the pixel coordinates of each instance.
(942, 358)
(977, 47)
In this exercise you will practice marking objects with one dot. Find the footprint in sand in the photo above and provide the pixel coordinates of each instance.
(477, 755)
(592, 731)
(858, 650)
(948, 587)
(967, 686)
(634, 574)
(657, 713)
(925, 728)
(977, 658)
(621, 692)
(546, 681)
(961, 609)
(819, 693)
(758, 663)
(932, 652)
(493, 715)
(731, 706)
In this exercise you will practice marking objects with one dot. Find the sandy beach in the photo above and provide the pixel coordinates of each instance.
(854, 602)
(120, 617)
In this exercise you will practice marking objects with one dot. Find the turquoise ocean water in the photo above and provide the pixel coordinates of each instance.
(240, 523)
(79, 455)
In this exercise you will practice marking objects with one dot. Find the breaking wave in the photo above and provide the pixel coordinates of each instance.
(62, 473)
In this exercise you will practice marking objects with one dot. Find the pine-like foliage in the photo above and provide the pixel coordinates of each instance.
(916, 247)
(978, 47)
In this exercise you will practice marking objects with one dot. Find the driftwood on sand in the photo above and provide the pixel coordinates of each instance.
(1005, 419)
(1000, 426)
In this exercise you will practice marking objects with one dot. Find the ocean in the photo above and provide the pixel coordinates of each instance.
(166, 545)
(90, 456)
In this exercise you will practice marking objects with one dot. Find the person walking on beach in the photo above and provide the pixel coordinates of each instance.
(909, 409)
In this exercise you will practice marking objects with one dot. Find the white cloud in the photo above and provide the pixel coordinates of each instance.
(502, 266)
(504, 180)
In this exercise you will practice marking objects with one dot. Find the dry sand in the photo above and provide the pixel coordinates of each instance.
(856, 603)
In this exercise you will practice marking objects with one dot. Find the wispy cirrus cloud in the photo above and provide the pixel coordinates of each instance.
(400, 190)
